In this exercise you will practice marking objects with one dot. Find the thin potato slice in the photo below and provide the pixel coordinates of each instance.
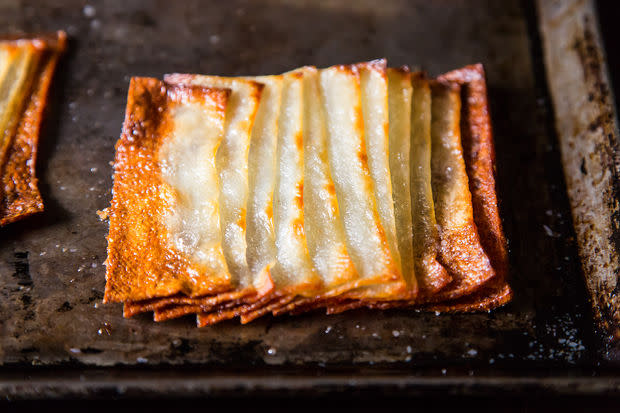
(187, 162)
(432, 276)
(478, 150)
(8, 57)
(322, 220)
(206, 310)
(248, 316)
(479, 153)
(248, 295)
(374, 104)
(19, 194)
(260, 252)
(492, 295)
(293, 272)
(374, 88)
(460, 251)
(383, 103)
(425, 238)
(131, 308)
(374, 98)
(232, 165)
(399, 103)
(175, 311)
(348, 160)
(247, 312)
(18, 66)
(262, 172)
(164, 219)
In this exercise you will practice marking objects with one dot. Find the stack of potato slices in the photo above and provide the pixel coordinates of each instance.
(27, 65)
(338, 188)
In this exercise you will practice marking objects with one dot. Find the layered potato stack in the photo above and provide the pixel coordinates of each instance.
(351, 186)
(27, 64)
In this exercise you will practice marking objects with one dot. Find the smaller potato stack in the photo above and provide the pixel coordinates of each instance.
(351, 186)
(27, 64)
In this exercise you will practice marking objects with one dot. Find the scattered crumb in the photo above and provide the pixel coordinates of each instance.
(104, 214)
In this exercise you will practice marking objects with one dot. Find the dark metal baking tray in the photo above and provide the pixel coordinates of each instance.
(57, 339)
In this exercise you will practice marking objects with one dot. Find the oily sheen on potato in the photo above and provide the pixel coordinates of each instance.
(334, 188)
(27, 65)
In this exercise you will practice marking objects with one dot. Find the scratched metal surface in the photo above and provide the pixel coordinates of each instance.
(586, 121)
(51, 273)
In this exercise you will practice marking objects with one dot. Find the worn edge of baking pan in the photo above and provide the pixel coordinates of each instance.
(92, 384)
(587, 126)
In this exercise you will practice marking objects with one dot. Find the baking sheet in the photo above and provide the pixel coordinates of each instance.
(52, 322)
(587, 125)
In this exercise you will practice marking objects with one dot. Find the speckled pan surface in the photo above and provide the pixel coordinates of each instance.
(587, 125)
(51, 273)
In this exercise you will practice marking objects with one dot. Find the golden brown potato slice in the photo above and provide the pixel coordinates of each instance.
(247, 311)
(477, 145)
(292, 272)
(19, 63)
(232, 165)
(19, 194)
(248, 316)
(460, 250)
(131, 308)
(260, 252)
(436, 163)
(186, 158)
(170, 312)
(431, 275)
(479, 153)
(164, 218)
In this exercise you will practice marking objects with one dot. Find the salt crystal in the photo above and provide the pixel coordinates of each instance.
(89, 11)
